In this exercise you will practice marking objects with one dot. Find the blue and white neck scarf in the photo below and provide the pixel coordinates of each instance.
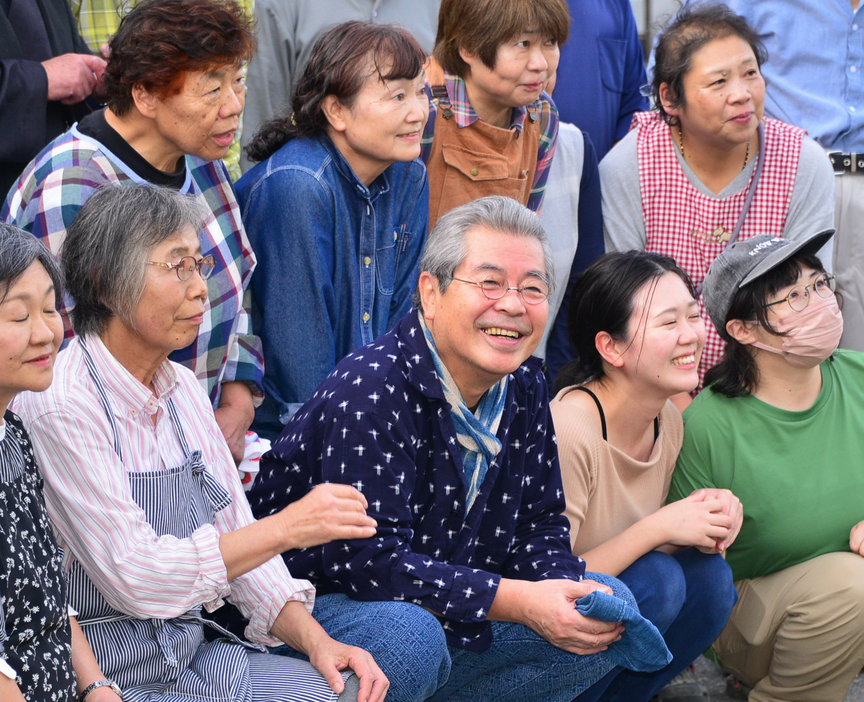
(474, 430)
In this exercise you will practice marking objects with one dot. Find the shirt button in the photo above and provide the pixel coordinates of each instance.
(852, 108)
(854, 27)
(852, 69)
(367, 260)
(365, 316)
(474, 171)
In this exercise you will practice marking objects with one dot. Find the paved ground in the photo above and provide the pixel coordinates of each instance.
(712, 678)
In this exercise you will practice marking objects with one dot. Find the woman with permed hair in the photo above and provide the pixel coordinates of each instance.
(336, 210)
(706, 167)
(174, 91)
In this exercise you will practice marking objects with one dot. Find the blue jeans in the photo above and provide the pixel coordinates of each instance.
(408, 644)
(688, 596)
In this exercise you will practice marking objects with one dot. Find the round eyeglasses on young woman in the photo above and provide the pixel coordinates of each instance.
(799, 296)
(494, 286)
(187, 265)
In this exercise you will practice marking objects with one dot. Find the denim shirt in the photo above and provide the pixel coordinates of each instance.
(337, 263)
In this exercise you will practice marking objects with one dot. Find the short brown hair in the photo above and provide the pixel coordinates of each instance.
(160, 40)
(481, 26)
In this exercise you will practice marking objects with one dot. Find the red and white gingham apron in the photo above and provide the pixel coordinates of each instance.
(693, 228)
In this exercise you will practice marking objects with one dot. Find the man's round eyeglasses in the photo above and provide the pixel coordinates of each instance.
(533, 290)
(188, 265)
(799, 296)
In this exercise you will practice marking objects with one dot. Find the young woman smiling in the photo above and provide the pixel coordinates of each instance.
(639, 339)
(707, 167)
(337, 211)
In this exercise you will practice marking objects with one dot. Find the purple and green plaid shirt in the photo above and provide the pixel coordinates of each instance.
(465, 116)
(55, 185)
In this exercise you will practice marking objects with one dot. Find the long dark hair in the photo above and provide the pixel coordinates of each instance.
(737, 373)
(603, 299)
(339, 65)
(694, 27)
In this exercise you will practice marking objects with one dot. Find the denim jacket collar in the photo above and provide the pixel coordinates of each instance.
(378, 187)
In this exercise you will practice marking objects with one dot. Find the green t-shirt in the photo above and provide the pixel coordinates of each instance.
(799, 475)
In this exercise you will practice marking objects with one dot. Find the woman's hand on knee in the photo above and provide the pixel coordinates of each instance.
(330, 658)
(330, 512)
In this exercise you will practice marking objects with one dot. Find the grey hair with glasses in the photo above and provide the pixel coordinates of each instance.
(446, 249)
(18, 251)
(108, 245)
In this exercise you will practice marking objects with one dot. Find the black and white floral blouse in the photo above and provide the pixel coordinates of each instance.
(35, 638)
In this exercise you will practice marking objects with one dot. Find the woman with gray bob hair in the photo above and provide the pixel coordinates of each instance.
(20, 250)
(41, 643)
(143, 489)
(446, 248)
(107, 248)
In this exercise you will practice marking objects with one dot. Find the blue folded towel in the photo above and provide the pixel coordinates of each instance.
(641, 648)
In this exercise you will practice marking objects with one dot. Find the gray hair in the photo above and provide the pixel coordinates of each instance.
(446, 249)
(18, 250)
(108, 245)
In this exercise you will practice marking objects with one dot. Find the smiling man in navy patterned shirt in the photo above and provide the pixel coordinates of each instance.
(443, 425)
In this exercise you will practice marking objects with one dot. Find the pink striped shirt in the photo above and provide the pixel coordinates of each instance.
(90, 503)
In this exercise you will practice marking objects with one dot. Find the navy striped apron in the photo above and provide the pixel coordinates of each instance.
(168, 660)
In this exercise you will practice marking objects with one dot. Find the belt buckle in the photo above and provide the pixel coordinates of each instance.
(846, 163)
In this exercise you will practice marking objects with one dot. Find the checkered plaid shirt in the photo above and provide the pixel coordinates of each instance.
(692, 227)
(55, 185)
(98, 20)
(465, 116)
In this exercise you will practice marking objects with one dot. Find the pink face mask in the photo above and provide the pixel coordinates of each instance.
(811, 335)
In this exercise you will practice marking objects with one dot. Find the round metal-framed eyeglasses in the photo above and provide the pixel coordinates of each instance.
(533, 290)
(799, 296)
(187, 265)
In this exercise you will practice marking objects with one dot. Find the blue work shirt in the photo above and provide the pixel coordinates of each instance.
(337, 263)
(815, 67)
(380, 423)
(601, 70)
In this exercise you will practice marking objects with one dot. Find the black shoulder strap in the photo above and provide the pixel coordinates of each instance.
(599, 409)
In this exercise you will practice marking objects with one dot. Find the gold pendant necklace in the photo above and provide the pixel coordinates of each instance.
(681, 148)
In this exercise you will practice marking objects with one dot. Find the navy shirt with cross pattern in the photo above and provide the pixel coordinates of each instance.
(380, 422)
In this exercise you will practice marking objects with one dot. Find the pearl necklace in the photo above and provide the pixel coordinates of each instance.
(681, 148)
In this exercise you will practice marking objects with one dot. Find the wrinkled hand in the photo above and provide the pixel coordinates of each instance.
(73, 77)
(234, 416)
(329, 512)
(732, 507)
(697, 520)
(552, 614)
(329, 657)
(856, 539)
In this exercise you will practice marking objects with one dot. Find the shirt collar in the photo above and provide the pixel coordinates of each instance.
(379, 186)
(126, 387)
(464, 112)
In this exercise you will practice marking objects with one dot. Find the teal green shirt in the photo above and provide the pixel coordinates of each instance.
(799, 475)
